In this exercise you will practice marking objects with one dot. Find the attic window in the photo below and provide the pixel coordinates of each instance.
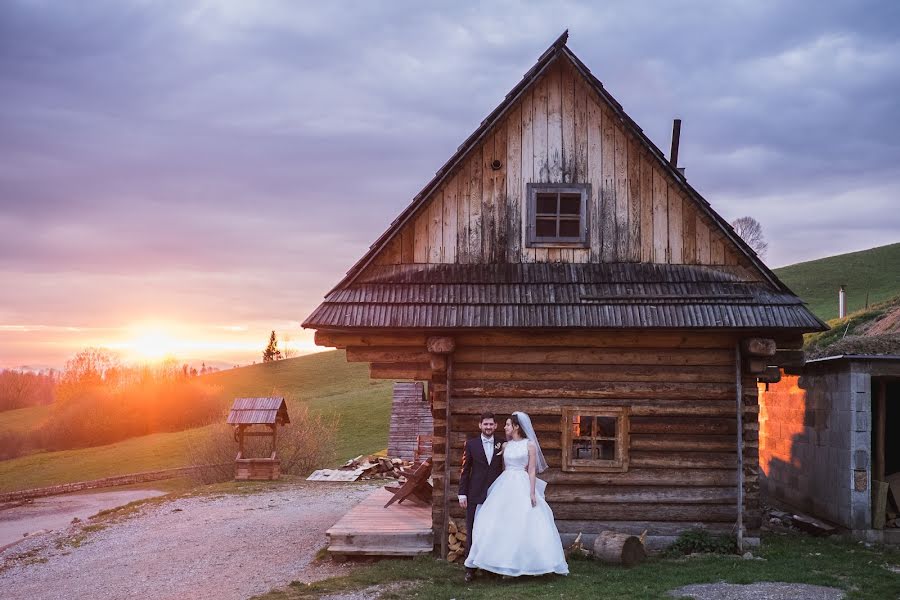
(557, 214)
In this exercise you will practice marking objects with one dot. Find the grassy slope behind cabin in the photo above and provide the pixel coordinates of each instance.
(875, 271)
(325, 381)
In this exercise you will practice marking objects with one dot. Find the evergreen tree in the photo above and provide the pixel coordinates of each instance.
(272, 352)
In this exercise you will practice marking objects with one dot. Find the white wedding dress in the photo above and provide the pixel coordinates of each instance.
(510, 536)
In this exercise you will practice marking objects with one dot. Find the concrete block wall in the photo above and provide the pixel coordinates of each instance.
(808, 434)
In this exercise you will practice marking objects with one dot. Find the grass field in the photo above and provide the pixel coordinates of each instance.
(850, 566)
(875, 271)
(325, 381)
(23, 419)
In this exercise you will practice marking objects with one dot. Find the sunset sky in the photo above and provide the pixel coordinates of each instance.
(183, 177)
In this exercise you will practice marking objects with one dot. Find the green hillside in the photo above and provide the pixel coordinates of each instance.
(325, 381)
(875, 271)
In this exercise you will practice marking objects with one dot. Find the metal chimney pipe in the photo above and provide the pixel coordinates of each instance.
(676, 138)
(842, 303)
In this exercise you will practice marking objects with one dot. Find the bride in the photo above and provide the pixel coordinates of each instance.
(514, 532)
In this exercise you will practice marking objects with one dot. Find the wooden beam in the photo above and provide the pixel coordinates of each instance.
(440, 344)
(415, 371)
(794, 359)
(770, 375)
(758, 347)
(387, 355)
(339, 339)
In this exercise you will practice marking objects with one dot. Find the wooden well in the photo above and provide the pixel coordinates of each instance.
(257, 417)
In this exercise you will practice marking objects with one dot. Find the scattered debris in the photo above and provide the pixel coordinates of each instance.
(364, 468)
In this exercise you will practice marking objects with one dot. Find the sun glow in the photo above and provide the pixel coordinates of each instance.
(152, 341)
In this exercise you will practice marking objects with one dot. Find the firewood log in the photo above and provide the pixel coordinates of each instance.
(619, 549)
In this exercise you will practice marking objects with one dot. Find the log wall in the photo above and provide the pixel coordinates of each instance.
(560, 131)
(681, 391)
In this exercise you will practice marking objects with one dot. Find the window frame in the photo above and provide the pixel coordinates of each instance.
(582, 240)
(587, 465)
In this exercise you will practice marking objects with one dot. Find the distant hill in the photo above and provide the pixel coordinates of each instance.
(326, 381)
(875, 272)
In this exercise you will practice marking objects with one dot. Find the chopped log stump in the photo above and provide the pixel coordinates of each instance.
(619, 549)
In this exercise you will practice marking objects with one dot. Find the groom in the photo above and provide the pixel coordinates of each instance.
(481, 465)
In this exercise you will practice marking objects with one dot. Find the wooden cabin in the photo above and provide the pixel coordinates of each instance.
(559, 264)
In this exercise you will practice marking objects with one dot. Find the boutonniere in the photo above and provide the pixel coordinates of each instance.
(498, 448)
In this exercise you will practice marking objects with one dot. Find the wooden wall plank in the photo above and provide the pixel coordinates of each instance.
(676, 242)
(703, 246)
(514, 187)
(618, 339)
(634, 202)
(500, 201)
(527, 170)
(541, 141)
(435, 227)
(716, 249)
(450, 227)
(646, 210)
(689, 233)
(488, 198)
(408, 243)
(594, 356)
(595, 176)
(463, 194)
(608, 192)
(421, 229)
(580, 168)
(622, 189)
(567, 81)
(554, 124)
(539, 130)
(475, 205)
(660, 219)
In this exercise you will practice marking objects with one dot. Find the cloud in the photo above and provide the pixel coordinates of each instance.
(227, 161)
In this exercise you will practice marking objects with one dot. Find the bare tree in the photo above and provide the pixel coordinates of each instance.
(751, 232)
(287, 349)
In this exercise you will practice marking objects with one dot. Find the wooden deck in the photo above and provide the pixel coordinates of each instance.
(372, 530)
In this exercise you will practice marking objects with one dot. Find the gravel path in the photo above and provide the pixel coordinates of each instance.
(758, 591)
(222, 547)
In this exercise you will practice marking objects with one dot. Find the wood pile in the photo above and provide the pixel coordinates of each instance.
(363, 468)
(457, 542)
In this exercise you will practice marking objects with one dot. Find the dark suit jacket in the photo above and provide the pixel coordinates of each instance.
(477, 475)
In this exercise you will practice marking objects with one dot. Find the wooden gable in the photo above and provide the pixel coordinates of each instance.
(561, 130)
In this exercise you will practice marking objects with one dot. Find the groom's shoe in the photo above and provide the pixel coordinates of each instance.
(470, 575)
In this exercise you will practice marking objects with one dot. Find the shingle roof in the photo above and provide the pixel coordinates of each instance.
(258, 411)
(554, 295)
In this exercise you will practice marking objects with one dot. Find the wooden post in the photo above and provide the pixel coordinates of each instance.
(878, 425)
(740, 447)
(440, 349)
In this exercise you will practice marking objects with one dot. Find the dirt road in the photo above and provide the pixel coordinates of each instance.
(225, 547)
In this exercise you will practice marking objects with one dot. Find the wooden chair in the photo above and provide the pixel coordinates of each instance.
(416, 485)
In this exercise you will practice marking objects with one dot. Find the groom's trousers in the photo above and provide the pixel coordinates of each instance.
(470, 525)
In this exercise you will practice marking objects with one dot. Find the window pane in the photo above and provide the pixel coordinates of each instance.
(570, 204)
(581, 448)
(546, 204)
(605, 450)
(576, 426)
(570, 228)
(606, 426)
(545, 228)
